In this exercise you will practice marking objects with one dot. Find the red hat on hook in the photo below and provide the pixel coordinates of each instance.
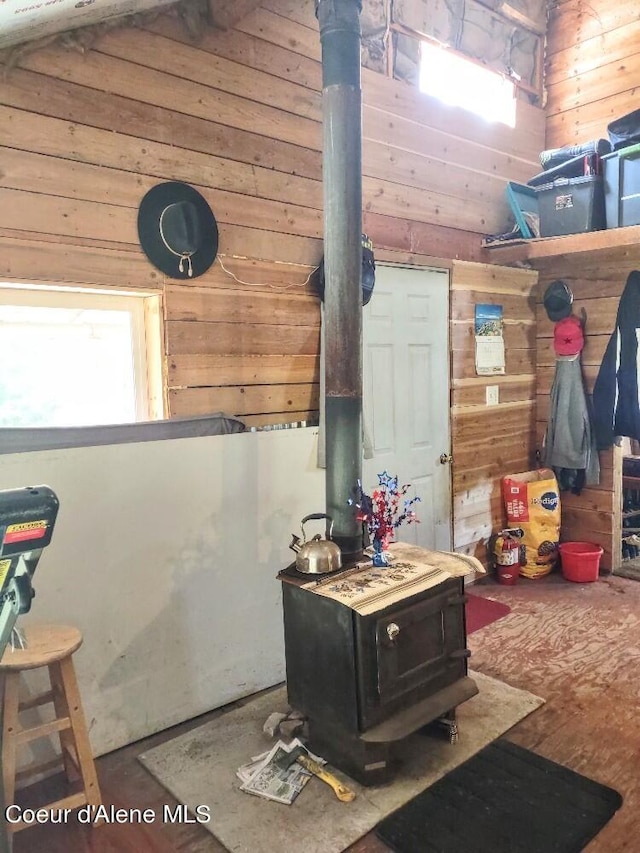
(568, 337)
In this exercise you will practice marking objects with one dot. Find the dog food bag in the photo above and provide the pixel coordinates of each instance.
(532, 502)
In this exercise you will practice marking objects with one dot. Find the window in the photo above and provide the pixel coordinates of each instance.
(463, 83)
(78, 358)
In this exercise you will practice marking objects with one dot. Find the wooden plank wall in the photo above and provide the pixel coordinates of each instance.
(597, 280)
(489, 442)
(592, 67)
(238, 116)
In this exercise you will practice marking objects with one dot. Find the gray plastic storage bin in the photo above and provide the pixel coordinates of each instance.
(621, 171)
(571, 206)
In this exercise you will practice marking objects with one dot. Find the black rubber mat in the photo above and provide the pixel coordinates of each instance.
(505, 799)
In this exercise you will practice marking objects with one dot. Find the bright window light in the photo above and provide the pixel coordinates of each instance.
(73, 359)
(462, 83)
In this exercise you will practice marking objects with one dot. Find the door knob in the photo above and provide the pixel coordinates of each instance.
(393, 630)
(446, 459)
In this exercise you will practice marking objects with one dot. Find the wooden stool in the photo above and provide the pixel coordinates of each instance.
(51, 646)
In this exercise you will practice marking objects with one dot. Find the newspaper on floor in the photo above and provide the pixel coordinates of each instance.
(265, 777)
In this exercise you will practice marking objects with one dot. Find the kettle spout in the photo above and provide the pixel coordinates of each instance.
(295, 543)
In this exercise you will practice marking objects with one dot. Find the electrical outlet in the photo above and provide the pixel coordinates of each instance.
(493, 395)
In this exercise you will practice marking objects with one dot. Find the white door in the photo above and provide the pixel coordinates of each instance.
(406, 394)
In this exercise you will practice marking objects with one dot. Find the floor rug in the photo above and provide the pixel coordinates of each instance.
(505, 799)
(483, 611)
(199, 768)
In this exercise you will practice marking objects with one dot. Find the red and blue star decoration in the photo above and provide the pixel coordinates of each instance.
(383, 511)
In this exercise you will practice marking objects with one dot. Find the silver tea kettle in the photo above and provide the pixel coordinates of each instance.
(316, 556)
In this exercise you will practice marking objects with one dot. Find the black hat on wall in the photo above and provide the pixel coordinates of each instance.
(558, 300)
(368, 272)
(177, 230)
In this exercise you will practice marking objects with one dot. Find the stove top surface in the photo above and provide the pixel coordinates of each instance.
(407, 563)
(292, 572)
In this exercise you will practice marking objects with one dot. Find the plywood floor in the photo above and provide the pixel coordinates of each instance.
(577, 645)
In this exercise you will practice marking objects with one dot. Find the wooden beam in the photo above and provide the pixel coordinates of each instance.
(225, 14)
(516, 17)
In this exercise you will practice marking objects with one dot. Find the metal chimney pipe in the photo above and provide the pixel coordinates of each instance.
(342, 181)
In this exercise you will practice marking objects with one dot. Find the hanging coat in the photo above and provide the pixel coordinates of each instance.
(569, 442)
(615, 394)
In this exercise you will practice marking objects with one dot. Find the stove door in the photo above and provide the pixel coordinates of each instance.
(410, 651)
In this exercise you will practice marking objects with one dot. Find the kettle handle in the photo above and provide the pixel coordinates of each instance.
(316, 516)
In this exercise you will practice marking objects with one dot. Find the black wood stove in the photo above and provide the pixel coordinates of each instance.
(374, 654)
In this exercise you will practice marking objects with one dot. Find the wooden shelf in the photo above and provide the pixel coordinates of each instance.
(630, 482)
(537, 249)
(631, 513)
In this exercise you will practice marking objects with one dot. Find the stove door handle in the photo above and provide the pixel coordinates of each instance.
(392, 630)
(460, 653)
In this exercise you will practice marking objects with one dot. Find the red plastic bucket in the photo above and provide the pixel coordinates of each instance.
(580, 561)
(508, 574)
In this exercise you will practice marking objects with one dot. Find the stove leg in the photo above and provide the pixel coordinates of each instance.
(449, 722)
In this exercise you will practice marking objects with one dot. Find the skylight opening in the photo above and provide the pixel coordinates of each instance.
(462, 83)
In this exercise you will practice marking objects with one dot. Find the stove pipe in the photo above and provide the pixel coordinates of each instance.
(342, 180)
